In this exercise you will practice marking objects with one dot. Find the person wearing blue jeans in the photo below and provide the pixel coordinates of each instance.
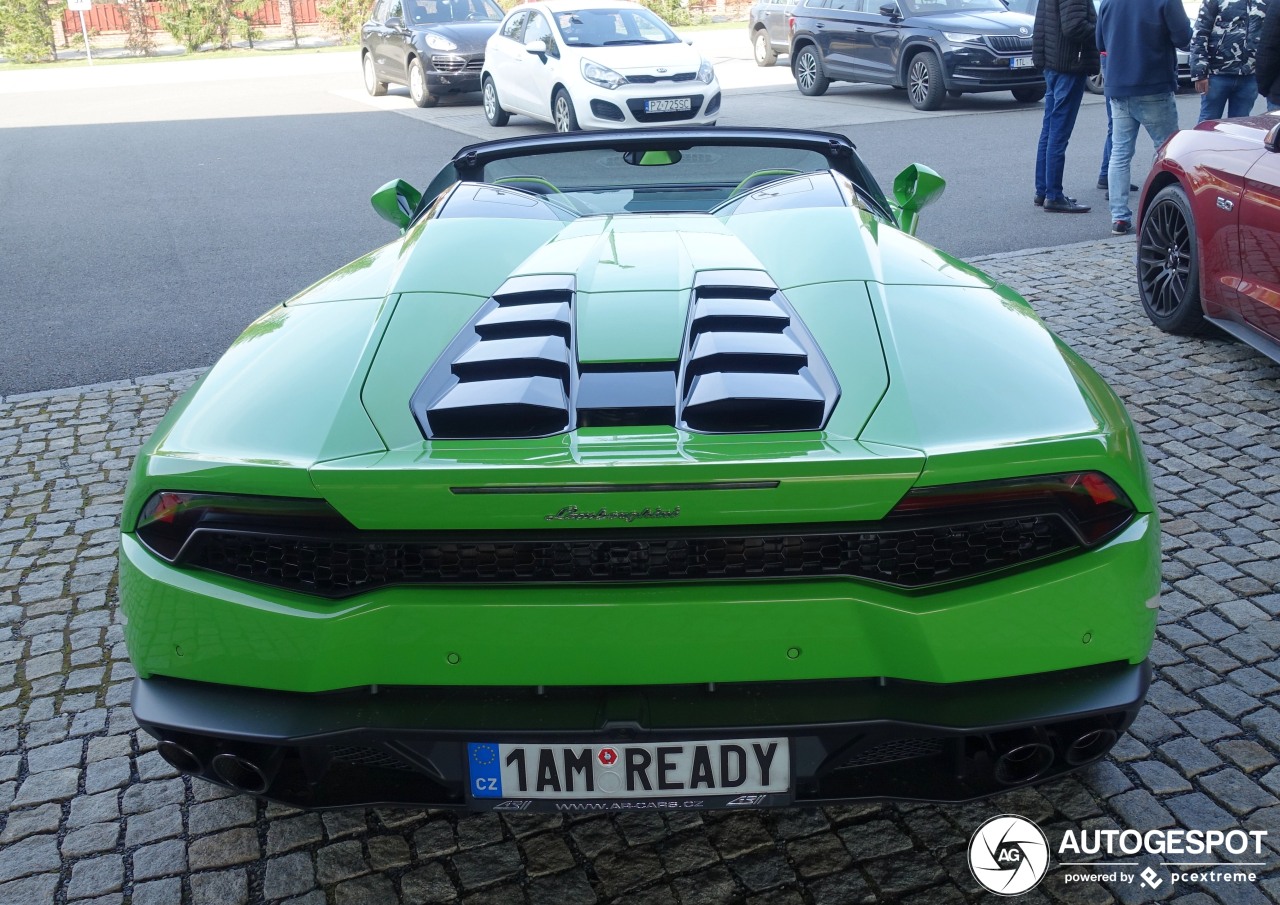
(1062, 47)
(1141, 39)
(1233, 94)
(1224, 44)
(1063, 93)
(1159, 114)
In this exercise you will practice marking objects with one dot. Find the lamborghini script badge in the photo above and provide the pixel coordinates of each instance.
(574, 514)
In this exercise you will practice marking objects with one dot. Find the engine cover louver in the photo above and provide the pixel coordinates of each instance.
(509, 372)
(747, 365)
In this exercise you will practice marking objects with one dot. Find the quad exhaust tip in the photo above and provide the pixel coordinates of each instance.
(1023, 762)
(179, 757)
(1089, 745)
(248, 773)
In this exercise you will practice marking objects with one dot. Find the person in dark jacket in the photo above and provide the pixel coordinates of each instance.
(1141, 39)
(1224, 43)
(1267, 64)
(1062, 45)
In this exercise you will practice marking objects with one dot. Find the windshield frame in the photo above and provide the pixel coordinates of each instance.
(629, 18)
(488, 5)
(468, 164)
(909, 8)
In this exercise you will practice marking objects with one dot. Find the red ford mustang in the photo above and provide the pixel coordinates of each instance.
(1209, 242)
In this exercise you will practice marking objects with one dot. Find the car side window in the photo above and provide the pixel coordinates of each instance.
(514, 26)
(395, 10)
(379, 13)
(539, 29)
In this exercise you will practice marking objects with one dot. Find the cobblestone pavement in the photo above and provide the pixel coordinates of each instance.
(89, 812)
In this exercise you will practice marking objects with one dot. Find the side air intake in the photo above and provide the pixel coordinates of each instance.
(749, 364)
(508, 374)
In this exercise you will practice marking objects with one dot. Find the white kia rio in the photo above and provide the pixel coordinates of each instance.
(595, 64)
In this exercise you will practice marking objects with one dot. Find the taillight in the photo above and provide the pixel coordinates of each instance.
(170, 517)
(1090, 501)
(791, 24)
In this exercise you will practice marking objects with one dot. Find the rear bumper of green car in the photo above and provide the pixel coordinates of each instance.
(844, 739)
(875, 692)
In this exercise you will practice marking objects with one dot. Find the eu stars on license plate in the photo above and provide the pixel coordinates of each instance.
(730, 772)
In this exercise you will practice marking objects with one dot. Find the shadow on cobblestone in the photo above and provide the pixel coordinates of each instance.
(89, 812)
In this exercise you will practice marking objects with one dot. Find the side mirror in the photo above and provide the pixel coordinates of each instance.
(538, 46)
(395, 23)
(395, 202)
(914, 188)
(890, 10)
(1272, 141)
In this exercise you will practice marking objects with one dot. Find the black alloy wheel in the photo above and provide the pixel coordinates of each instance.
(1169, 265)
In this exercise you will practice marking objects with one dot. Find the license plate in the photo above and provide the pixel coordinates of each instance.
(1022, 63)
(669, 105)
(724, 773)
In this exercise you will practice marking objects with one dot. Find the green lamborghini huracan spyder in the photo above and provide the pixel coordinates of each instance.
(663, 469)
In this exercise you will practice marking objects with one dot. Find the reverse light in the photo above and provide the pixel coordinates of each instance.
(169, 518)
(1089, 501)
(439, 42)
(602, 75)
(706, 72)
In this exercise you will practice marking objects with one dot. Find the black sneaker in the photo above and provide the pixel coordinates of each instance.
(1121, 227)
(1102, 182)
(1065, 206)
(1038, 200)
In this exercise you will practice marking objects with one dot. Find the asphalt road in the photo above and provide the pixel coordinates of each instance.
(149, 212)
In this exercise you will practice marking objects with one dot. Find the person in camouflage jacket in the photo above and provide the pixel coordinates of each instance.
(1224, 44)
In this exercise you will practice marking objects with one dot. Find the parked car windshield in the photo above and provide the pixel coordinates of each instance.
(612, 27)
(929, 7)
(427, 12)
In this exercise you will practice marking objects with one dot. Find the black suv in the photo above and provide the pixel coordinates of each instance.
(930, 47)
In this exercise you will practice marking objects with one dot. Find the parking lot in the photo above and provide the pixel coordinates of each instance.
(91, 813)
(184, 206)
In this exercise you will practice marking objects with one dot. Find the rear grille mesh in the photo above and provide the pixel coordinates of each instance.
(368, 757)
(893, 751)
(906, 557)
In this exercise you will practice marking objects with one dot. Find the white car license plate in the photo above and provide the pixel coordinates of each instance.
(749, 769)
(669, 105)
(1022, 63)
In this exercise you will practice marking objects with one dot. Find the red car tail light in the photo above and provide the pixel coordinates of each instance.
(1089, 501)
(169, 518)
